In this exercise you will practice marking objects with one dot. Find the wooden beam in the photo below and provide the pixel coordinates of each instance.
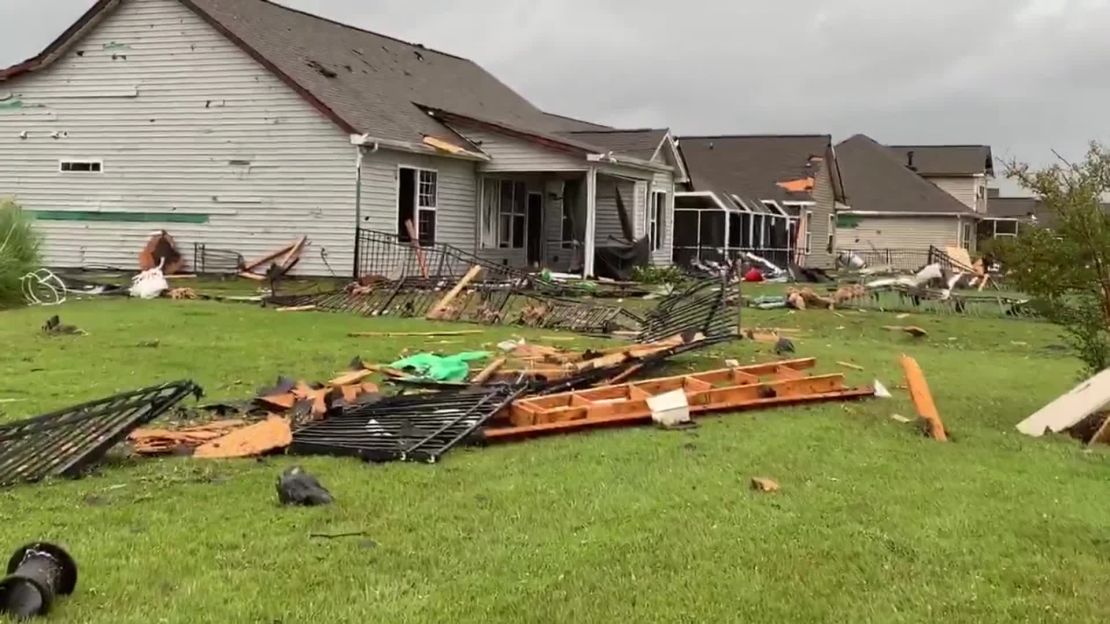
(923, 399)
(410, 227)
(431, 334)
(488, 372)
(440, 307)
(257, 263)
(294, 252)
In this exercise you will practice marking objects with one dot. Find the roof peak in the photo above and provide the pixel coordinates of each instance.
(617, 130)
(815, 135)
(336, 22)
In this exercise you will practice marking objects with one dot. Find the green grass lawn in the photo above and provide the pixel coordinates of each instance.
(874, 523)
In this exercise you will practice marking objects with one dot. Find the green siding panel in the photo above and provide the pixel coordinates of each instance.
(118, 217)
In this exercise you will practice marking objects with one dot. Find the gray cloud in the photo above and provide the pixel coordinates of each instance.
(1025, 76)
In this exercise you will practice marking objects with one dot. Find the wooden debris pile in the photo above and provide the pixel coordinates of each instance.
(276, 264)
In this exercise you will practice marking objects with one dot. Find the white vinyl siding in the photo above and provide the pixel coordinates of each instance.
(511, 154)
(664, 182)
(608, 216)
(901, 233)
(824, 208)
(186, 124)
(456, 188)
(965, 189)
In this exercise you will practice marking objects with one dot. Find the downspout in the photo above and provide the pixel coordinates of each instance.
(359, 156)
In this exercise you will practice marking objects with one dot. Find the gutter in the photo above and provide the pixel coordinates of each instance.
(609, 159)
(876, 213)
(416, 148)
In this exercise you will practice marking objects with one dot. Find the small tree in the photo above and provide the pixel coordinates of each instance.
(19, 251)
(1065, 264)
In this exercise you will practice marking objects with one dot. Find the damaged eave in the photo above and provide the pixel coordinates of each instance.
(609, 158)
(894, 213)
(432, 145)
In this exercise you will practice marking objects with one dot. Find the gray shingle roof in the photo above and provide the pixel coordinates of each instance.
(366, 82)
(947, 160)
(876, 180)
(640, 144)
(753, 166)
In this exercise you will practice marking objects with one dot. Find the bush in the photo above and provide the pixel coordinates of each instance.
(655, 275)
(19, 251)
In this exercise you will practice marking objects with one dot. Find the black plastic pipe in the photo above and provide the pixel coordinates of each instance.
(37, 573)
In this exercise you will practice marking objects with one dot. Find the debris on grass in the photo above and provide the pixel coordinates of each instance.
(785, 346)
(849, 365)
(272, 434)
(297, 487)
(900, 418)
(1068, 410)
(37, 574)
(912, 330)
(152, 442)
(923, 399)
(765, 485)
(880, 391)
(54, 327)
(731, 390)
(670, 410)
(67, 442)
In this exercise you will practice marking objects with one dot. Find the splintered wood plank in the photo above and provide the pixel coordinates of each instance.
(488, 372)
(272, 434)
(410, 227)
(294, 253)
(923, 399)
(350, 378)
(437, 310)
(261, 261)
(279, 401)
(1070, 409)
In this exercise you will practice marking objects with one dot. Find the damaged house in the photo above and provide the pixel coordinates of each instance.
(894, 214)
(771, 195)
(239, 124)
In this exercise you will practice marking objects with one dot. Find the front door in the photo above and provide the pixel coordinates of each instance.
(535, 229)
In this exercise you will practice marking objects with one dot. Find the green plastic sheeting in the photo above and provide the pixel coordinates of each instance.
(453, 368)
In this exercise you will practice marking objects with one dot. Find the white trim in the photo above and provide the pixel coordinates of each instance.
(770, 203)
(591, 223)
(658, 220)
(416, 208)
(99, 162)
(875, 213)
(716, 199)
(741, 204)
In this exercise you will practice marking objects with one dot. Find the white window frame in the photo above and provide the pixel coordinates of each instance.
(419, 199)
(82, 161)
(832, 233)
(966, 233)
(657, 218)
(500, 239)
(808, 247)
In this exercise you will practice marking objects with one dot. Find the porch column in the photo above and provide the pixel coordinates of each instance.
(591, 223)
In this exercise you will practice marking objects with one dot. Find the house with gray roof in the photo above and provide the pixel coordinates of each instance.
(890, 206)
(962, 171)
(241, 124)
(773, 195)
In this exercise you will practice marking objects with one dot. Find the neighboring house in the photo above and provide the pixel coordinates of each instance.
(774, 195)
(962, 171)
(894, 211)
(241, 124)
(1005, 215)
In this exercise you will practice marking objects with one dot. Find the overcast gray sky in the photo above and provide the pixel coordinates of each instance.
(1025, 76)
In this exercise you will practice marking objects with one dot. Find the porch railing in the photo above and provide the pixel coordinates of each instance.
(897, 259)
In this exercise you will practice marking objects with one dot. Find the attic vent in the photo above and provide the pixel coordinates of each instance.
(909, 161)
(419, 56)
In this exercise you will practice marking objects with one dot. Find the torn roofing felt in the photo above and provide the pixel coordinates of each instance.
(876, 179)
(367, 83)
(755, 165)
(642, 144)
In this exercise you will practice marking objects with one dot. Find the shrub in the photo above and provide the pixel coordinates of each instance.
(655, 275)
(19, 251)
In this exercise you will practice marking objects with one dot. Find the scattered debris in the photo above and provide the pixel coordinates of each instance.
(916, 332)
(708, 308)
(1070, 409)
(851, 366)
(272, 434)
(54, 327)
(419, 428)
(161, 253)
(433, 367)
(734, 389)
(180, 441)
(767, 486)
(37, 574)
(670, 410)
(900, 418)
(784, 346)
(66, 442)
(150, 284)
(431, 334)
(181, 294)
(881, 392)
(44, 288)
(297, 487)
(923, 399)
(281, 262)
(331, 536)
